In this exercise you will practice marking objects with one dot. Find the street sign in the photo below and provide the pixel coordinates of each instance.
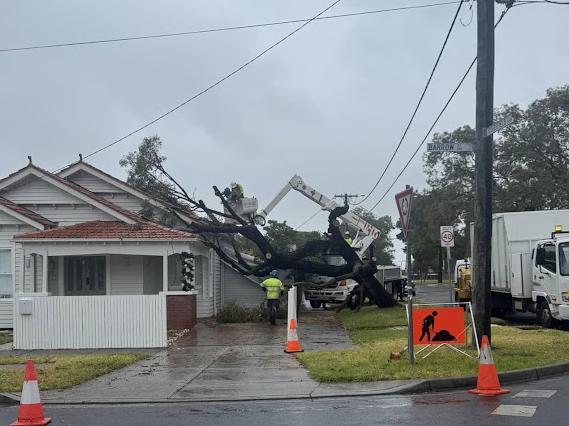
(447, 236)
(450, 147)
(403, 200)
(498, 125)
(437, 325)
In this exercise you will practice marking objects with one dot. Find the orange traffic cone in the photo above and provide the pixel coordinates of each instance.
(488, 383)
(31, 410)
(292, 344)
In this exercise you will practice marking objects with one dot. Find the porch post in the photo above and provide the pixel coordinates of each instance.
(165, 271)
(44, 273)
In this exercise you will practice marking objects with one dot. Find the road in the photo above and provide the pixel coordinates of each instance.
(455, 408)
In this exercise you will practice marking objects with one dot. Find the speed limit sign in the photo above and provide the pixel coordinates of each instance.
(447, 236)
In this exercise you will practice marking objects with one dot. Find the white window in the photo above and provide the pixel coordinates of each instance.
(6, 288)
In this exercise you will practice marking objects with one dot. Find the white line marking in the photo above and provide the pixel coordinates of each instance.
(515, 410)
(535, 393)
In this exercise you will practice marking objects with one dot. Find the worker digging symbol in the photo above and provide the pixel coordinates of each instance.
(429, 325)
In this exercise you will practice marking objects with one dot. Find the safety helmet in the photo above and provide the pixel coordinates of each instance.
(347, 233)
(274, 273)
(233, 184)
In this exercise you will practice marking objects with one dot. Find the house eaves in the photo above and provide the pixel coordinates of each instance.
(76, 190)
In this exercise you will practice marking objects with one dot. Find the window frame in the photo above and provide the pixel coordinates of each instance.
(11, 273)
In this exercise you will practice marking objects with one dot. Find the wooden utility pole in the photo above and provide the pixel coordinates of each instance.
(482, 252)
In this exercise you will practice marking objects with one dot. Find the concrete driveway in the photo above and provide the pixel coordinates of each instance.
(224, 362)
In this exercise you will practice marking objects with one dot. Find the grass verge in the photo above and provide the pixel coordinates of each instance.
(62, 371)
(378, 332)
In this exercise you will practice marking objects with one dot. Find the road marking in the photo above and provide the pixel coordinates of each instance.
(515, 410)
(535, 393)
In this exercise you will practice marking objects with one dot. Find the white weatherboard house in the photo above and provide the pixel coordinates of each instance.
(80, 268)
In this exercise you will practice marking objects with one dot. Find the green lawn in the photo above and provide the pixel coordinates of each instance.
(378, 332)
(62, 371)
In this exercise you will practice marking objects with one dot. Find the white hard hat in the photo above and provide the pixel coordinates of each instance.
(347, 233)
(233, 184)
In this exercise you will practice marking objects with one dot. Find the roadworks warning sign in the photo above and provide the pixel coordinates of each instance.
(438, 325)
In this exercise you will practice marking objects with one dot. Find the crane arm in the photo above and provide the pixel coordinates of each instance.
(366, 233)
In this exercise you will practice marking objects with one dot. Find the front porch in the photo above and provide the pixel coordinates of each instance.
(103, 294)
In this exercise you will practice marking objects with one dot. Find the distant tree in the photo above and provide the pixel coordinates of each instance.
(285, 238)
(143, 172)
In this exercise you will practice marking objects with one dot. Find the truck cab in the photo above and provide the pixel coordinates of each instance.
(550, 277)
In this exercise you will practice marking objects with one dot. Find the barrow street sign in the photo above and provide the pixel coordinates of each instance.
(449, 147)
(498, 125)
(403, 200)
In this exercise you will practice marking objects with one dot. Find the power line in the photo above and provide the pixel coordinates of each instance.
(417, 106)
(435, 122)
(211, 86)
(308, 220)
(221, 29)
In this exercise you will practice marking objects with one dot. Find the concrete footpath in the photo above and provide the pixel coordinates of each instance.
(227, 362)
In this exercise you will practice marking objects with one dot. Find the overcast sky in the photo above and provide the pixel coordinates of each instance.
(329, 104)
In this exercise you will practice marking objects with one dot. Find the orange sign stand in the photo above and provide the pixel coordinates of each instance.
(441, 325)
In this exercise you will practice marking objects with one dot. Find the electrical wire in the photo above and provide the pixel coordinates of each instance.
(435, 122)
(308, 220)
(211, 86)
(221, 29)
(442, 49)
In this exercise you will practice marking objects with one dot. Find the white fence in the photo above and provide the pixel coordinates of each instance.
(75, 322)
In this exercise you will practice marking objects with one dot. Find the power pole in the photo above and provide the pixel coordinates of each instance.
(347, 197)
(482, 251)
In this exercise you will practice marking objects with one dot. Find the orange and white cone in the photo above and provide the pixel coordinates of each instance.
(292, 344)
(31, 410)
(488, 383)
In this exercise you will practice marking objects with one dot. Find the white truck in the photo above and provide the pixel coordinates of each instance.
(365, 235)
(530, 264)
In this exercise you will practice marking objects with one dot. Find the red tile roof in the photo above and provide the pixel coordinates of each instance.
(101, 230)
(26, 212)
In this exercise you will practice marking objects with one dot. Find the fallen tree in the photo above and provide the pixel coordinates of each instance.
(219, 228)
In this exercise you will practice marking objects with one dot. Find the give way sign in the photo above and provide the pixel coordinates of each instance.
(403, 200)
(447, 236)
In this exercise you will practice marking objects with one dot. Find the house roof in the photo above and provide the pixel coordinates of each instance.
(125, 186)
(26, 213)
(74, 189)
(108, 231)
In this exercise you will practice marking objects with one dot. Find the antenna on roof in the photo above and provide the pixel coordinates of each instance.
(30, 159)
(80, 157)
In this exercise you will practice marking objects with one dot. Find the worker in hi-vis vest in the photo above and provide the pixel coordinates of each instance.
(274, 289)
(348, 238)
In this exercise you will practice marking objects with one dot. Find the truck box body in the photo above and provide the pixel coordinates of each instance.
(513, 237)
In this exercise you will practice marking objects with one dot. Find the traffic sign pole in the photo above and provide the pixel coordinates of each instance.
(450, 286)
(447, 240)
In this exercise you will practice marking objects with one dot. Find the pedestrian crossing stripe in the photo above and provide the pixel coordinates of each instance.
(535, 393)
(515, 410)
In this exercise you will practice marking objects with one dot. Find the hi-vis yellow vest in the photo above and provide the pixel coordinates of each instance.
(273, 286)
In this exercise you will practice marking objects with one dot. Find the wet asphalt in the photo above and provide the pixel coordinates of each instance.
(454, 408)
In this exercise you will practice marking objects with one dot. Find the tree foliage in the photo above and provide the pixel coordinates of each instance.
(531, 171)
(143, 172)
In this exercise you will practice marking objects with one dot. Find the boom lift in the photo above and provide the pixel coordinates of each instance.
(366, 233)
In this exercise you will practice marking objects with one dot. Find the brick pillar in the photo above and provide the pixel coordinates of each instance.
(181, 311)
